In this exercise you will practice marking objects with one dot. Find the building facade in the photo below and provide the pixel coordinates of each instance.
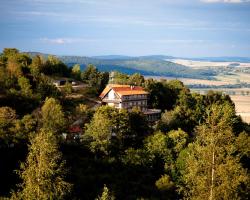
(128, 97)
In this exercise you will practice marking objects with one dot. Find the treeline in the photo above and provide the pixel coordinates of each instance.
(197, 150)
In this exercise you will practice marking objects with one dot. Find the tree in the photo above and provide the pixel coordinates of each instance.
(160, 96)
(37, 65)
(44, 171)
(99, 130)
(157, 146)
(106, 194)
(45, 88)
(139, 128)
(14, 67)
(76, 71)
(54, 66)
(120, 78)
(7, 123)
(212, 167)
(52, 116)
(25, 86)
(107, 130)
(68, 89)
(136, 79)
(90, 75)
(25, 127)
(164, 183)
(179, 139)
(7, 52)
(95, 79)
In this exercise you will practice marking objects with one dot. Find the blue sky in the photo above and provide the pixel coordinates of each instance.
(190, 28)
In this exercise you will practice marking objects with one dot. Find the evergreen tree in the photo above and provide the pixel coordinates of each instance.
(44, 171)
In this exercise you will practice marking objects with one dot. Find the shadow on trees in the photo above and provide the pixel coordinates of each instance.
(10, 159)
(89, 174)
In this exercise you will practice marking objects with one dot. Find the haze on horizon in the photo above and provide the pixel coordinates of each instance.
(194, 28)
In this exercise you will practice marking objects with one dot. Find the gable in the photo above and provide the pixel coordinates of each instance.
(112, 94)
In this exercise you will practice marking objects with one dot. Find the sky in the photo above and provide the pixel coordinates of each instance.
(186, 28)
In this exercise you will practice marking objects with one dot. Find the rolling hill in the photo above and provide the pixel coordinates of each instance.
(146, 65)
(157, 65)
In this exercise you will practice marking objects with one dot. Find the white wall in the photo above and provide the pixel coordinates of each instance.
(111, 94)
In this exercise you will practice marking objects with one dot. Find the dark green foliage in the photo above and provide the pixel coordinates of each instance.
(136, 79)
(53, 66)
(95, 79)
(7, 125)
(120, 78)
(164, 94)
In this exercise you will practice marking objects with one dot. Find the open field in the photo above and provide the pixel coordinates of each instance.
(235, 78)
(230, 91)
(202, 64)
(219, 80)
(241, 99)
(190, 81)
(242, 106)
(242, 103)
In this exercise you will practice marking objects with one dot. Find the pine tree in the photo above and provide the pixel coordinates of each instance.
(44, 171)
(213, 170)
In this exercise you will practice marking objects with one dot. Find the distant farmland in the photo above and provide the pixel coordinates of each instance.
(241, 100)
(242, 106)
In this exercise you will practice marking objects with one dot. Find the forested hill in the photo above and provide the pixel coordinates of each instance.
(145, 65)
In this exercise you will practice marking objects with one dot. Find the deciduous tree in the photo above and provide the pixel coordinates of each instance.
(52, 116)
(43, 173)
(212, 168)
(25, 86)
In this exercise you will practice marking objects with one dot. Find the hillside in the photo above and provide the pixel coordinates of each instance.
(154, 65)
(146, 65)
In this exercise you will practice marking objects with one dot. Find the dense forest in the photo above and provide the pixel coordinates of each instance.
(199, 149)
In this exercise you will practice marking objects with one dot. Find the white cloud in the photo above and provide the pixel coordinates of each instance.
(225, 1)
(71, 40)
(61, 41)
(54, 41)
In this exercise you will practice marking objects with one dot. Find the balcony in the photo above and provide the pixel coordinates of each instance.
(106, 100)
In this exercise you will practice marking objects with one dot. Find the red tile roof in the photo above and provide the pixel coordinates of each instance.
(122, 90)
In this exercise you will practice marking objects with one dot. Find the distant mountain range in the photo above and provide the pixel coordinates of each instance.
(146, 65)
